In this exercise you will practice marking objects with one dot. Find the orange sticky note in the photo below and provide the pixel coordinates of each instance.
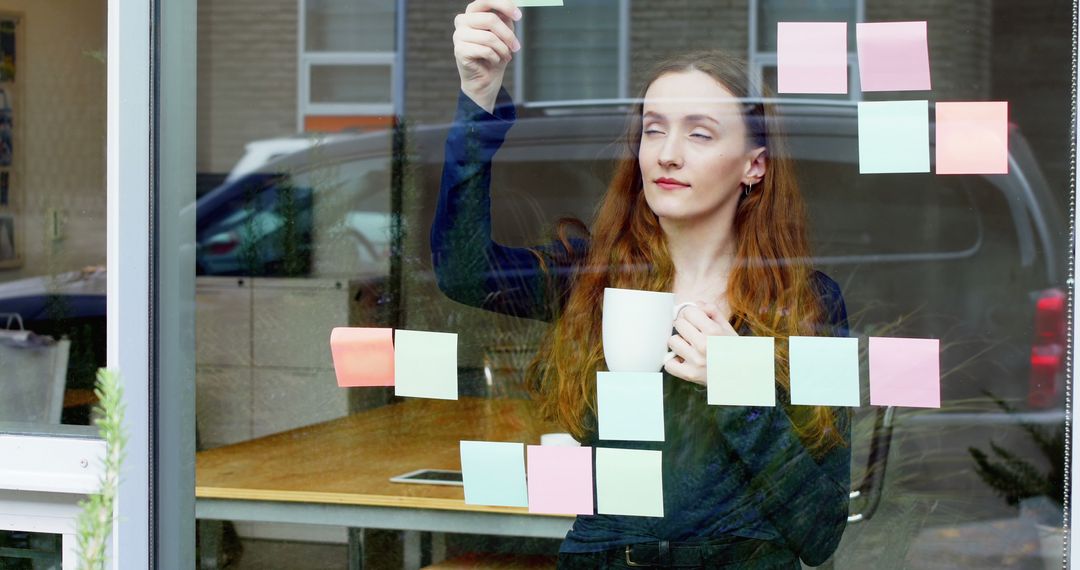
(363, 356)
(973, 138)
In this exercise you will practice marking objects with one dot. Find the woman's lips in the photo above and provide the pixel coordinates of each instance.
(669, 184)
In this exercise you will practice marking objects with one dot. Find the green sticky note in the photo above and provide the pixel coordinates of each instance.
(629, 482)
(538, 3)
(425, 364)
(824, 371)
(741, 370)
(494, 473)
(630, 405)
(894, 136)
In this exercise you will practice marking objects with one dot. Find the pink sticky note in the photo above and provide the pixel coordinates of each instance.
(973, 138)
(560, 479)
(362, 356)
(811, 57)
(905, 372)
(893, 56)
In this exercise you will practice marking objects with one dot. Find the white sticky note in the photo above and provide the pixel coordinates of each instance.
(538, 3)
(494, 473)
(630, 405)
(629, 482)
(741, 370)
(425, 364)
(824, 370)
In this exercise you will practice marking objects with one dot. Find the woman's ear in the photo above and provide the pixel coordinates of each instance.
(756, 164)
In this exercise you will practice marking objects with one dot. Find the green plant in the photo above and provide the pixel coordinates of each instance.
(96, 519)
(1015, 478)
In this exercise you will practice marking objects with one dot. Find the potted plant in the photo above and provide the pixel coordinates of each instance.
(1039, 493)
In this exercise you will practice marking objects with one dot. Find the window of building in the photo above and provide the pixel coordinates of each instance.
(765, 14)
(577, 53)
(347, 64)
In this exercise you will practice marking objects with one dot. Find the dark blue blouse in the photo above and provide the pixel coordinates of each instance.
(727, 470)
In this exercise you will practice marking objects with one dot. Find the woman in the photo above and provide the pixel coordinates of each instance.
(706, 208)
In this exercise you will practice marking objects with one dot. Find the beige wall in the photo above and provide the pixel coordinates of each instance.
(59, 133)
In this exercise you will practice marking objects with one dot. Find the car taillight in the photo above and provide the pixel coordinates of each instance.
(222, 244)
(1048, 350)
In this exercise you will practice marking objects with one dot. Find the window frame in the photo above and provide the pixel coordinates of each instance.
(759, 60)
(308, 59)
(522, 58)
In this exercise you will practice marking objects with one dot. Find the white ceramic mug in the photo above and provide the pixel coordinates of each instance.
(559, 439)
(637, 325)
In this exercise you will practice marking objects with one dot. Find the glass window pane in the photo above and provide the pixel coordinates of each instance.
(349, 25)
(350, 84)
(52, 212)
(573, 53)
(446, 219)
(29, 550)
(770, 12)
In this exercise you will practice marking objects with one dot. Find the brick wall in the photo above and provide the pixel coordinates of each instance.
(247, 77)
(978, 50)
(959, 34)
(1031, 69)
(431, 78)
(59, 107)
(664, 28)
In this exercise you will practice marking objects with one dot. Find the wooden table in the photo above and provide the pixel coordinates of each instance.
(337, 472)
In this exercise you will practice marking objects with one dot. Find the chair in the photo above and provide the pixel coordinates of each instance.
(33, 372)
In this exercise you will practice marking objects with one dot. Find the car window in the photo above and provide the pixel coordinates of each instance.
(328, 221)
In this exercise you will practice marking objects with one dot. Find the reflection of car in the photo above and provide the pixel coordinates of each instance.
(258, 153)
(973, 260)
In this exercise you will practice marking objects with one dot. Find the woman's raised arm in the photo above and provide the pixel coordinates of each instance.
(484, 43)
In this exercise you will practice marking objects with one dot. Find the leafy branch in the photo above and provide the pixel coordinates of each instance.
(96, 519)
(1015, 478)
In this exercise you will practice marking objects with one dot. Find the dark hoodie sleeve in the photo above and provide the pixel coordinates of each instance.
(469, 266)
(805, 497)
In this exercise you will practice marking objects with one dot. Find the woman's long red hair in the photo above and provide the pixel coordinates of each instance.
(770, 289)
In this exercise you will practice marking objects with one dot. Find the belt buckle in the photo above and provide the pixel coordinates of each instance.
(630, 562)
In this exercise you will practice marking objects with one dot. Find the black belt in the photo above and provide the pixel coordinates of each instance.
(691, 554)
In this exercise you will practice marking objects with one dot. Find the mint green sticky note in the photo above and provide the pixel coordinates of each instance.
(630, 405)
(824, 370)
(425, 364)
(741, 370)
(894, 136)
(537, 3)
(629, 482)
(494, 473)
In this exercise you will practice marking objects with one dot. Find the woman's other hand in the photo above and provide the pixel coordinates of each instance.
(694, 326)
(484, 43)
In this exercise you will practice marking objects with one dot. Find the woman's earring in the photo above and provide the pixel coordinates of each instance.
(746, 191)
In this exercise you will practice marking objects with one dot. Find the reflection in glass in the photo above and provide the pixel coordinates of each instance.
(329, 229)
(350, 84)
(349, 25)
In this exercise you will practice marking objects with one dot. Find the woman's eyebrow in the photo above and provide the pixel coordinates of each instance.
(701, 119)
(697, 118)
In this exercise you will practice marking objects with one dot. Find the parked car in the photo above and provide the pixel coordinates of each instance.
(977, 261)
